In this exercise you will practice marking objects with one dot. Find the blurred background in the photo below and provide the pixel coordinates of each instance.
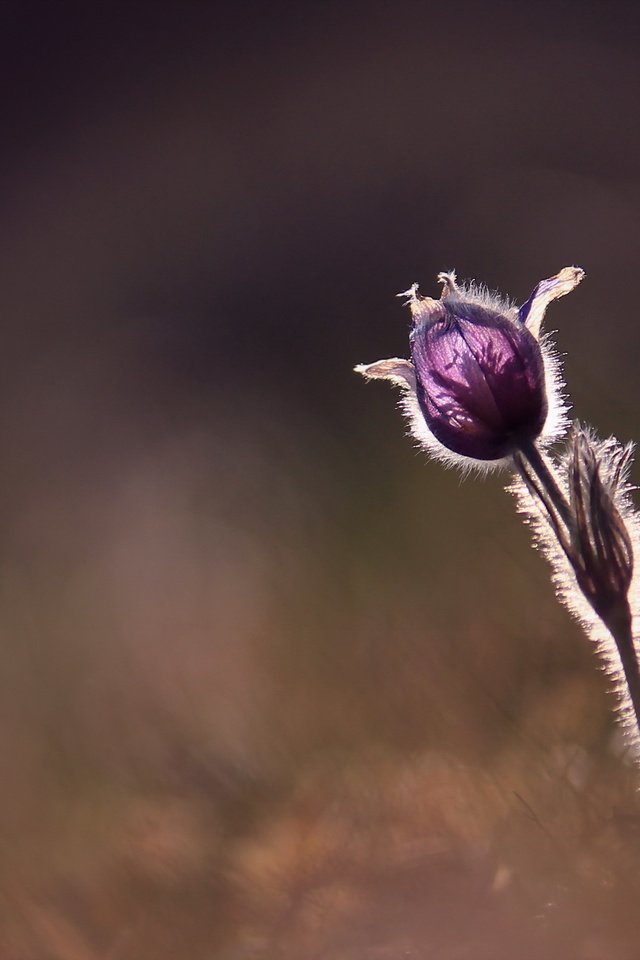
(272, 684)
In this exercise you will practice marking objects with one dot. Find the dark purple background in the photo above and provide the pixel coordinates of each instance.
(203, 201)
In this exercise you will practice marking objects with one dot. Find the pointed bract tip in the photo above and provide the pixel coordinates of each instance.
(449, 283)
(423, 308)
(570, 277)
(532, 312)
(411, 294)
(398, 371)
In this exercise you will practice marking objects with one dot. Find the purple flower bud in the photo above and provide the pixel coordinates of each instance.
(480, 378)
(480, 384)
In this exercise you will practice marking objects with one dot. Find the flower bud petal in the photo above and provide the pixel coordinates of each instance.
(398, 371)
(533, 310)
(480, 380)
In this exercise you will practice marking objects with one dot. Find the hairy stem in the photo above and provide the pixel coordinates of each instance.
(549, 483)
(620, 626)
(543, 487)
(579, 529)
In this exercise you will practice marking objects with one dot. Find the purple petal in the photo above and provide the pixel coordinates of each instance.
(533, 310)
(480, 381)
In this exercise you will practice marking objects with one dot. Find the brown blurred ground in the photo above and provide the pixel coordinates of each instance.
(272, 686)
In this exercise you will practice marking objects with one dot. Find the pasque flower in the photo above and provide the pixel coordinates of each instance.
(481, 382)
(483, 387)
